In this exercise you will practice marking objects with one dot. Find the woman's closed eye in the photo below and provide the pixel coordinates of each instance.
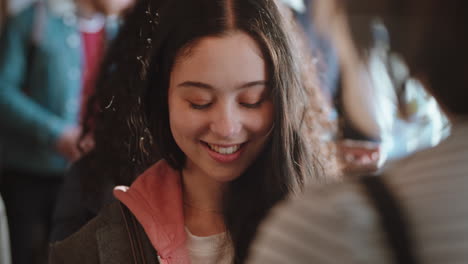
(200, 106)
(252, 105)
(246, 102)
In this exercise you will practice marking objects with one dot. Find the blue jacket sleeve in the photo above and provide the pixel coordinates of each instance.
(20, 114)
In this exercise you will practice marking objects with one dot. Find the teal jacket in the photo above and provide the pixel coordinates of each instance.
(31, 122)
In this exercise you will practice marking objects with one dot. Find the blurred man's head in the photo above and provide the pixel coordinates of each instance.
(431, 36)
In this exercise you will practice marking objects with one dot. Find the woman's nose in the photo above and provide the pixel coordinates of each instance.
(226, 123)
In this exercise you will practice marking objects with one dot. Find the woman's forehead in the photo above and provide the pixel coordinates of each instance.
(232, 59)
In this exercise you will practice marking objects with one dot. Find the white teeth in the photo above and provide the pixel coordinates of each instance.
(224, 151)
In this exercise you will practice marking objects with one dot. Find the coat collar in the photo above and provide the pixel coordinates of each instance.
(155, 198)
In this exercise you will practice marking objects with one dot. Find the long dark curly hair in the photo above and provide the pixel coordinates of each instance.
(129, 110)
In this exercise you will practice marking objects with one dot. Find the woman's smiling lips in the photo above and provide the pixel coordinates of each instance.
(224, 153)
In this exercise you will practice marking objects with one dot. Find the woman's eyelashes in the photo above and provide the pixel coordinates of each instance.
(252, 105)
(198, 106)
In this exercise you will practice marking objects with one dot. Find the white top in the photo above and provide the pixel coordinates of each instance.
(92, 24)
(337, 224)
(214, 249)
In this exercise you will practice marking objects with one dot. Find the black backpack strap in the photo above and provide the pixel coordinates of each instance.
(142, 250)
(392, 219)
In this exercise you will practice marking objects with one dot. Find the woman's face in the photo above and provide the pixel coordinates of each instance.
(220, 110)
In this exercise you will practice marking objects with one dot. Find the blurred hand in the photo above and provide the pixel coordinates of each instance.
(67, 144)
(87, 143)
(359, 156)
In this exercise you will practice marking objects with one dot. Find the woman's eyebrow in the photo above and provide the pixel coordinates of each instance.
(254, 83)
(196, 84)
(209, 87)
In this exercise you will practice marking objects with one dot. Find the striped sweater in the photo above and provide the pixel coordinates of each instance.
(337, 224)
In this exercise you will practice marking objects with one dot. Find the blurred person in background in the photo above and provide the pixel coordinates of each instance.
(416, 211)
(391, 111)
(49, 56)
(395, 117)
(386, 116)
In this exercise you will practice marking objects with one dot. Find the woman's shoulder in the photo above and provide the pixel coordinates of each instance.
(101, 239)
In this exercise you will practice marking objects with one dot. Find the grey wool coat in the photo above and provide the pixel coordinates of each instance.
(114, 236)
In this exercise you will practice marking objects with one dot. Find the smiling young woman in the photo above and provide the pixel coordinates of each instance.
(212, 120)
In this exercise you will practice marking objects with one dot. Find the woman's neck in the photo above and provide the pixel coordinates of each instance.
(202, 203)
